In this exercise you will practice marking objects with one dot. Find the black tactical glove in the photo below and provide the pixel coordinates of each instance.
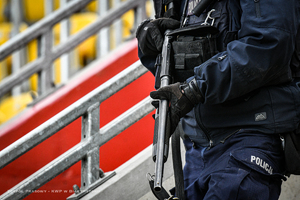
(182, 98)
(150, 34)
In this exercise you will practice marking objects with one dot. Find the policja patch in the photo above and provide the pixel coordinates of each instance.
(257, 161)
(260, 162)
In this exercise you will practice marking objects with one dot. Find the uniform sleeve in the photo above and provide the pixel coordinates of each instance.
(260, 56)
(147, 61)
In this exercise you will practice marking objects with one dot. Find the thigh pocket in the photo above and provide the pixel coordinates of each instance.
(248, 182)
(262, 181)
(225, 184)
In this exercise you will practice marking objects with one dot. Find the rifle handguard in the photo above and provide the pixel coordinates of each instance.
(192, 92)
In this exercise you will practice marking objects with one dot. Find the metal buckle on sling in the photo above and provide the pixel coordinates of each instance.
(209, 18)
(282, 142)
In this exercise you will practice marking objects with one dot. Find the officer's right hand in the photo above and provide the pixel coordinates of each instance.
(182, 98)
(150, 34)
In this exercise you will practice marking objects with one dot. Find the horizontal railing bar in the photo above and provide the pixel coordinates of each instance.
(40, 27)
(14, 79)
(71, 113)
(77, 152)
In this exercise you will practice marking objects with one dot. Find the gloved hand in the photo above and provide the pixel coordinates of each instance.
(150, 34)
(182, 98)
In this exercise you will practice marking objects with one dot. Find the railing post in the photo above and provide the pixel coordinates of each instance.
(15, 10)
(118, 31)
(65, 58)
(90, 164)
(140, 13)
(103, 36)
(48, 8)
(46, 74)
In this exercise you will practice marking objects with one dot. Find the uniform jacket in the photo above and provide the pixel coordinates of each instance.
(249, 84)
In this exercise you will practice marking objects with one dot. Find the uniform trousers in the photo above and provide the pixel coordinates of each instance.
(248, 165)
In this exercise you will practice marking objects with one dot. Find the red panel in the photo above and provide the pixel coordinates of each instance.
(112, 154)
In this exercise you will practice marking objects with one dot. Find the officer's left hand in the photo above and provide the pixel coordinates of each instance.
(182, 98)
(150, 34)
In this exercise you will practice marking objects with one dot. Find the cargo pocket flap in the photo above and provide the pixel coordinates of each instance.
(256, 160)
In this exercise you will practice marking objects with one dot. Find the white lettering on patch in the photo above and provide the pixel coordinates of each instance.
(260, 162)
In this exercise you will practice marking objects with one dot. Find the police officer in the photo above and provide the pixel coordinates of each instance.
(238, 101)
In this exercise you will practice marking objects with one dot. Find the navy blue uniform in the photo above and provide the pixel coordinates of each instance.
(250, 97)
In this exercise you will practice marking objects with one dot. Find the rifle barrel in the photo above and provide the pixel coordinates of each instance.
(162, 147)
